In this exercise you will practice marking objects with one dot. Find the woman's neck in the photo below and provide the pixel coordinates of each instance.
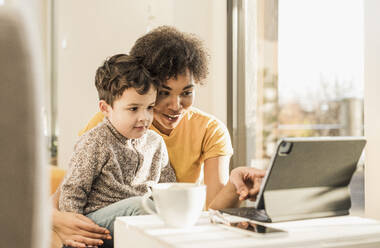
(160, 128)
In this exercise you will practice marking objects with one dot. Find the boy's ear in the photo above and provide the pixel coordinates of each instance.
(104, 107)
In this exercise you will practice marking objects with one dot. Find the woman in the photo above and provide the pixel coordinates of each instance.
(193, 138)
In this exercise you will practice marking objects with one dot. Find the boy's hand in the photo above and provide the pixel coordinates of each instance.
(77, 230)
(247, 182)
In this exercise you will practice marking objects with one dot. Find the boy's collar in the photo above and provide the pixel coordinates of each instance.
(124, 140)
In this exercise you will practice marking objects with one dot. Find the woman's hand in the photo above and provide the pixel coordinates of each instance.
(77, 230)
(244, 183)
(247, 182)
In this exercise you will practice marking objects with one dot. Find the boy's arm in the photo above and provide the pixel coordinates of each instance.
(167, 171)
(84, 166)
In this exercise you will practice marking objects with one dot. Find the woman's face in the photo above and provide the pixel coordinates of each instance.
(173, 99)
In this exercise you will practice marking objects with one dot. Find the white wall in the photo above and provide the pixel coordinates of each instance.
(88, 31)
(371, 107)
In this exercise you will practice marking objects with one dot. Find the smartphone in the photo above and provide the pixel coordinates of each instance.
(256, 228)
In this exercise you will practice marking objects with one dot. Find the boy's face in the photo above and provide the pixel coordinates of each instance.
(132, 113)
(174, 97)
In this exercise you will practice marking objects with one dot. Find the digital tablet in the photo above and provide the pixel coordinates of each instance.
(307, 178)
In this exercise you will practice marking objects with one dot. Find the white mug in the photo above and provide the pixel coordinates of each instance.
(177, 204)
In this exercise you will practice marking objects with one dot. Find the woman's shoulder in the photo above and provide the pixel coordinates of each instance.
(215, 136)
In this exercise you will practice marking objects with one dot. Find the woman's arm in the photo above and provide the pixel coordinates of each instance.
(226, 198)
(76, 230)
(215, 175)
(244, 183)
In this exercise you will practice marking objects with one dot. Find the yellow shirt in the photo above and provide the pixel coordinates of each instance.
(198, 136)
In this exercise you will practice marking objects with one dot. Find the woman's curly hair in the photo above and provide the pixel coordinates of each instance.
(119, 73)
(167, 53)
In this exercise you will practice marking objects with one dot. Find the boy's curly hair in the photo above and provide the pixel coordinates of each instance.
(167, 53)
(119, 73)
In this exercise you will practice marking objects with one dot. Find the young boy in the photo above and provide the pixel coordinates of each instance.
(114, 164)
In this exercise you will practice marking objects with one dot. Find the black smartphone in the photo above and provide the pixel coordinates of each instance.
(256, 228)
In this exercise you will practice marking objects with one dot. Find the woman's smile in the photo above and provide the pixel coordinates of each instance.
(172, 118)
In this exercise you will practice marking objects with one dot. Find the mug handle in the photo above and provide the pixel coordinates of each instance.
(145, 204)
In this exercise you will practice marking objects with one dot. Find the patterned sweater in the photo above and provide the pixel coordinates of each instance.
(106, 167)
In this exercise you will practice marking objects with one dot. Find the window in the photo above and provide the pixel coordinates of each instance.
(297, 70)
